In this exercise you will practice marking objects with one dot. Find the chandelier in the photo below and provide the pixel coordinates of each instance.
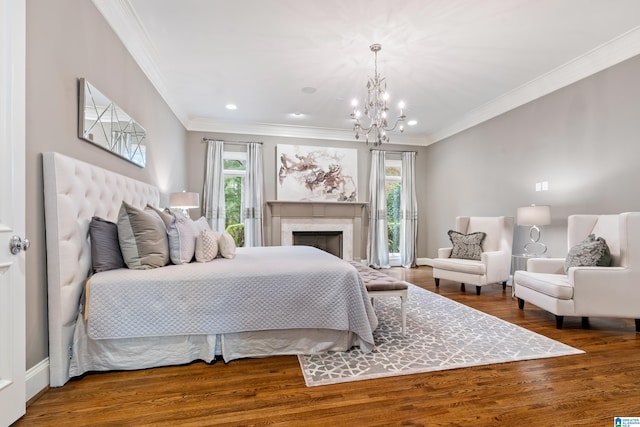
(376, 108)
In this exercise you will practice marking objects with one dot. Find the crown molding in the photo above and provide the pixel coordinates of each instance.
(602, 57)
(203, 124)
(124, 21)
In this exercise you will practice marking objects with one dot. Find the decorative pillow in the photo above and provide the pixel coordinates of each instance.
(226, 245)
(142, 237)
(202, 224)
(105, 247)
(164, 216)
(206, 245)
(182, 238)
(591, 252)
(466, 246)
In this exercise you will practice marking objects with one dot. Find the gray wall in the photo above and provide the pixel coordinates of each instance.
(68, 39)
(584, 139)
(196, 156)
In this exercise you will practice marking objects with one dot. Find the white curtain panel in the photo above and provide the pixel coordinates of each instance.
(213, 198)
(408, 211)
(377, 244)
(253, 192)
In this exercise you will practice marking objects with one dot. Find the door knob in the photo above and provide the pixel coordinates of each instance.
(16, 244)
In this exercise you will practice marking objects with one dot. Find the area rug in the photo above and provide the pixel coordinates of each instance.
(441, 334)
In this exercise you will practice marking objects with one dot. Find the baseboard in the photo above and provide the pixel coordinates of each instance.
(37, 379)
(425, 261)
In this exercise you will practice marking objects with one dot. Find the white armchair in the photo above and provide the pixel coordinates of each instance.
(588, 291)
(494, 265)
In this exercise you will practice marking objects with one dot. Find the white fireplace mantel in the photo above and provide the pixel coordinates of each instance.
(346, 217)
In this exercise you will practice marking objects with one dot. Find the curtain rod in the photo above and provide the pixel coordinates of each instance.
(231, 142)
(393, 152)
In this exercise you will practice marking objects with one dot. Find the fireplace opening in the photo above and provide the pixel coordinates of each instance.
(328, 241)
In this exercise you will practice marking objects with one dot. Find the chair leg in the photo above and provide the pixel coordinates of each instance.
(637, 325)
(504, 286)
(585, 323)
(559, 321)
(437, 282)
(462, 288)
(478, 290)
(520, 303)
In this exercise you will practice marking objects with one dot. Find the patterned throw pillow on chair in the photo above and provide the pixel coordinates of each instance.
(591, 252)
(466, 246)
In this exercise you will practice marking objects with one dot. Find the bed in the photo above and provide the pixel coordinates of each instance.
(266, 301)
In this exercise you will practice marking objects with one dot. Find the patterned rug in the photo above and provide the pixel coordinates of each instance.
(441, 334)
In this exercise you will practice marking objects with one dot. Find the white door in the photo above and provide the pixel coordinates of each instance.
(12, 211)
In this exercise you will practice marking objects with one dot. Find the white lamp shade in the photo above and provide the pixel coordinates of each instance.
(185, 200)
(534, 215)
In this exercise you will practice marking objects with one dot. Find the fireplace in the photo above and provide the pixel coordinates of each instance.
(328, 241)
(286, 218)
(344, 226)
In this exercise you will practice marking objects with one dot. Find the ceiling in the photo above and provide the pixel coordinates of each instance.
(455, 63)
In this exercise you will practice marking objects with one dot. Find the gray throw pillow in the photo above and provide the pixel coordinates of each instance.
(105, 247)
(466, 246)
(143, 238)
(164, 216)
(591, 252)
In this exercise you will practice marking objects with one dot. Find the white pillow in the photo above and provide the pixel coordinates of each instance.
(182, 234)
(202, 224)
(226, 245)
(206, 245)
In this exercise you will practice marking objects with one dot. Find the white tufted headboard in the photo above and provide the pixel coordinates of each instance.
(74, 191)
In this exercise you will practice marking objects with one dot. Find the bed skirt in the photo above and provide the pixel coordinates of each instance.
(140, 353)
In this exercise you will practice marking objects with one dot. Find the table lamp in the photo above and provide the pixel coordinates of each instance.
(534, 216)
(184, 201)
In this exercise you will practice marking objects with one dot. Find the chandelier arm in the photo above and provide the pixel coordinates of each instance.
(394, 126)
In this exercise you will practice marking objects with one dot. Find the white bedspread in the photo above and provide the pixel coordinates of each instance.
(265, 288)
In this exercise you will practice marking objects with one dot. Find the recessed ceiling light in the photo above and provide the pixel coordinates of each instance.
(297, 115)
(412, 122)
(308, 90)
(231, 107)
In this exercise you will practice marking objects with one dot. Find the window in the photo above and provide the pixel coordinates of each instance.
(393, 185)
(235, 164)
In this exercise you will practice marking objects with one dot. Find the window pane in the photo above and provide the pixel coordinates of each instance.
(233, 204)
(392, 171)
(235, 165)
(393, 215)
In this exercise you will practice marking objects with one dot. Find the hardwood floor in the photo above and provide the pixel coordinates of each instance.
(588, 389)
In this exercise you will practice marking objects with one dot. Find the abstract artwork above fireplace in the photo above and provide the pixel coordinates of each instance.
(307, 173)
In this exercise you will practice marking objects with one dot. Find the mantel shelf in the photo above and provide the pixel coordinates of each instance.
(306, 202)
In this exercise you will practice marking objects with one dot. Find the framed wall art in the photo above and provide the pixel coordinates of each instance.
(309, 173)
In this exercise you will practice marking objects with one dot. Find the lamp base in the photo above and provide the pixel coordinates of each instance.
(535, 247)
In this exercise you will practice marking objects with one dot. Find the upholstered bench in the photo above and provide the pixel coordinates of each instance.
(379, 284)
